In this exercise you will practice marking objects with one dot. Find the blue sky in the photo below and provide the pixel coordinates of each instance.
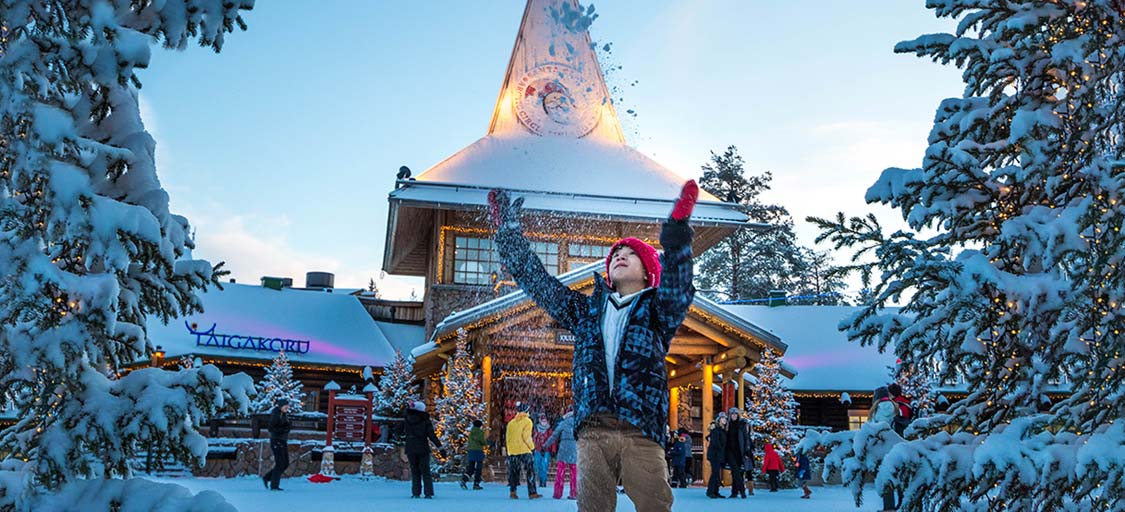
(282, 149)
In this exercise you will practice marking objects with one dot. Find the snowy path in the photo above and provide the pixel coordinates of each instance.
(352, 494)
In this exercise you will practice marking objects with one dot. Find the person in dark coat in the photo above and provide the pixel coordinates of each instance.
(681, 452)
(716, 454)
(622, 332)
(737, 442)
(418, 431)
(474, 457)
(278, 428)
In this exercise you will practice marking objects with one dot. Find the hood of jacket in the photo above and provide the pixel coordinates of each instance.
(414, 417)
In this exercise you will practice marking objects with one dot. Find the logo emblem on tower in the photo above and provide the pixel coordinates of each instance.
(555, 99)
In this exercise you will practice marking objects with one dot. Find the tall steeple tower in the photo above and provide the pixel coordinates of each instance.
(555, 140)
(554, 85)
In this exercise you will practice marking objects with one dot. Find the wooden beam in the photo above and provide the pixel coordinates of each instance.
(710, 332)
(741, 383)
(727, 367)
(486, 386)
(708, 412)
(685, 378)
(695, 350)
(673, 409)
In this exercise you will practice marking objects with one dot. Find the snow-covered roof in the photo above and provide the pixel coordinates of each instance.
(579, 176)
(822, 355)
(253, 322)
(459, 319)
(403, 337)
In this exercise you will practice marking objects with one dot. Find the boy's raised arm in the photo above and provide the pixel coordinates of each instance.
(676, 291)
(562, 303)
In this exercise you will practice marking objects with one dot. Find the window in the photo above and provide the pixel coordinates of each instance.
(549, 254)
(475, 259)
(856, 418)
(582, 254)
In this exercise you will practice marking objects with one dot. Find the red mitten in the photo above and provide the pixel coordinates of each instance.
(686, 202)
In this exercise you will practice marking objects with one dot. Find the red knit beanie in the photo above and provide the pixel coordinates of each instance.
(645, 252)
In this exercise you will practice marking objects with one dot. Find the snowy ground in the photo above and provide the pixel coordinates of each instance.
(353, 494)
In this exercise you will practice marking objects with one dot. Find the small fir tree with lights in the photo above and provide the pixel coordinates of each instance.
(276, 384)
(772, 411)
(917, 386)
(461, 402)
(395, 391)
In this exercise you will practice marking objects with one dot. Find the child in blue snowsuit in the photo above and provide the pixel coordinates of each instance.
(623, 332)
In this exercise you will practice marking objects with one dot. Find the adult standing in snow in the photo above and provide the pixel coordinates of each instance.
(716, 454)
(748, 455)
(623, 331)
(737, 440)
(474, 456)
(520, 446)
(418, 430)
(567, 455)
(681, 452)
(543, 448)
(884, 410)
(278, 428)
(772, 466)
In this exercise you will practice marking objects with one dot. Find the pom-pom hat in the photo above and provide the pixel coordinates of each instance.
(647, 255)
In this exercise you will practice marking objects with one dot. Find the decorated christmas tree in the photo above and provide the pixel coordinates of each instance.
(278, 383)
(461, 401)
(1011, 267)
(771, 409)
(90, 252)
(395, 390)
(917, 386)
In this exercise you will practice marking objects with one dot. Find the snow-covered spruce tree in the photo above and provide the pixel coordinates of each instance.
(278, 382)
(395, 391)
(757, 259)
(772, 411)
(1017, 279)
(461, 401)
(89, 248)
(917, 385)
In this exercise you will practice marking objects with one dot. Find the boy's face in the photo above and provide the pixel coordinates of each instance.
(625, 267)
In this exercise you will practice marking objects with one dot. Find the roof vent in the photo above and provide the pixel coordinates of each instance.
(277, 283)
(319, 280)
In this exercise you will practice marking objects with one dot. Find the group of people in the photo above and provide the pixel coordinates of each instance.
(530, 446)
(730, 447)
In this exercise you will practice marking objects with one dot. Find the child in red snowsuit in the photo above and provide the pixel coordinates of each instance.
(772, 466)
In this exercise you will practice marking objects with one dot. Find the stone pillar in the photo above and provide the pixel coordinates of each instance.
(328, 462)
(367, 463)
(708, 410)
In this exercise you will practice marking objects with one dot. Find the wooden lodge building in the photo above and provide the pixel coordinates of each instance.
(555, 140)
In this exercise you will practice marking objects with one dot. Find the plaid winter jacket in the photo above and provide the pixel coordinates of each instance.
(639, 394)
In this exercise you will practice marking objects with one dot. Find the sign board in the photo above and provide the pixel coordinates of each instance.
(209, 338)
(349, 419)
(564, 337)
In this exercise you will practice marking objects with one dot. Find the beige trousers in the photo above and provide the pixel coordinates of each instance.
(612, 450)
